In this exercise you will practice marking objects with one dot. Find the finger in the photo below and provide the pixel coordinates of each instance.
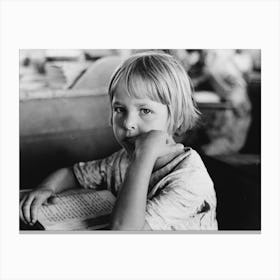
(177, 147)
(53, 200)
(21, 210)
(35, 205)
(180, 146)
(26, 208)
(46, 201)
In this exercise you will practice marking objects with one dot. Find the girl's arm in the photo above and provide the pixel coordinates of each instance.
(129, 211)
(61, 180)
(130, 208)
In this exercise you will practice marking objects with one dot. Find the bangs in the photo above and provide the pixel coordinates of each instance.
(141, 82)
(140, 86)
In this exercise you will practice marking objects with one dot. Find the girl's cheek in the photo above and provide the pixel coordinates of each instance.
(116, 120)
(117, 127)
(117, 123)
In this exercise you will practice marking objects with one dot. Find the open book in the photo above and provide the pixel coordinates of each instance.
(79, 209)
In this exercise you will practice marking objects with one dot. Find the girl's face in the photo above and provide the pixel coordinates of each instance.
(132, 117)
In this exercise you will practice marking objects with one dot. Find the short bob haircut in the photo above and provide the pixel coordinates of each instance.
(161, 78)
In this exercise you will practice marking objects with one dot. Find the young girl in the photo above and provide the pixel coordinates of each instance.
(159, 185)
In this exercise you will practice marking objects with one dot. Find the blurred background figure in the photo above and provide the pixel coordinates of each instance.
(228, 131)
(220, 79)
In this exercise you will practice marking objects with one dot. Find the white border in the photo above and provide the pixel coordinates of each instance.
(157, 24)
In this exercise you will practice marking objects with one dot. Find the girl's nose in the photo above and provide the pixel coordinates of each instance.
(130, 123)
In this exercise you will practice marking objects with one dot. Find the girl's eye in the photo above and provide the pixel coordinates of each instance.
(145, 111)
(118, 109)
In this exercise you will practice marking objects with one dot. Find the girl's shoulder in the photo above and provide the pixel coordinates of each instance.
(192, 173)
(188, 160)
(186, 172)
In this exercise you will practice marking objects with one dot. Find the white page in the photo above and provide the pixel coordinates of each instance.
(77, 209)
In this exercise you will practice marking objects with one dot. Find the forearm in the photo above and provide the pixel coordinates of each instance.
(130, 207)
(61, 180)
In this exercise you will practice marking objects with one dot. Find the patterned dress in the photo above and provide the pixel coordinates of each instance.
(181, 194)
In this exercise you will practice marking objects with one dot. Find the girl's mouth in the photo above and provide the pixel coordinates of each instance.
(130, 140)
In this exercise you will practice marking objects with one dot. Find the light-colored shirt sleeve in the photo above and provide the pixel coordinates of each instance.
(96, 174)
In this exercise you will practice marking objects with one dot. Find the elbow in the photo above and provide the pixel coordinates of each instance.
(117, 226)
(114, 225)
(120, 225)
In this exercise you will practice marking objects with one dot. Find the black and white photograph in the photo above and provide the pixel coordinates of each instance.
(139, 139)
(133, 139)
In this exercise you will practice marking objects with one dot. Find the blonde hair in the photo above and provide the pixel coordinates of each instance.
(161, 78)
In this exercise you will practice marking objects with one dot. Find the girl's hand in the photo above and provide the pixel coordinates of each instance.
(31, 202)
(157, 144)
